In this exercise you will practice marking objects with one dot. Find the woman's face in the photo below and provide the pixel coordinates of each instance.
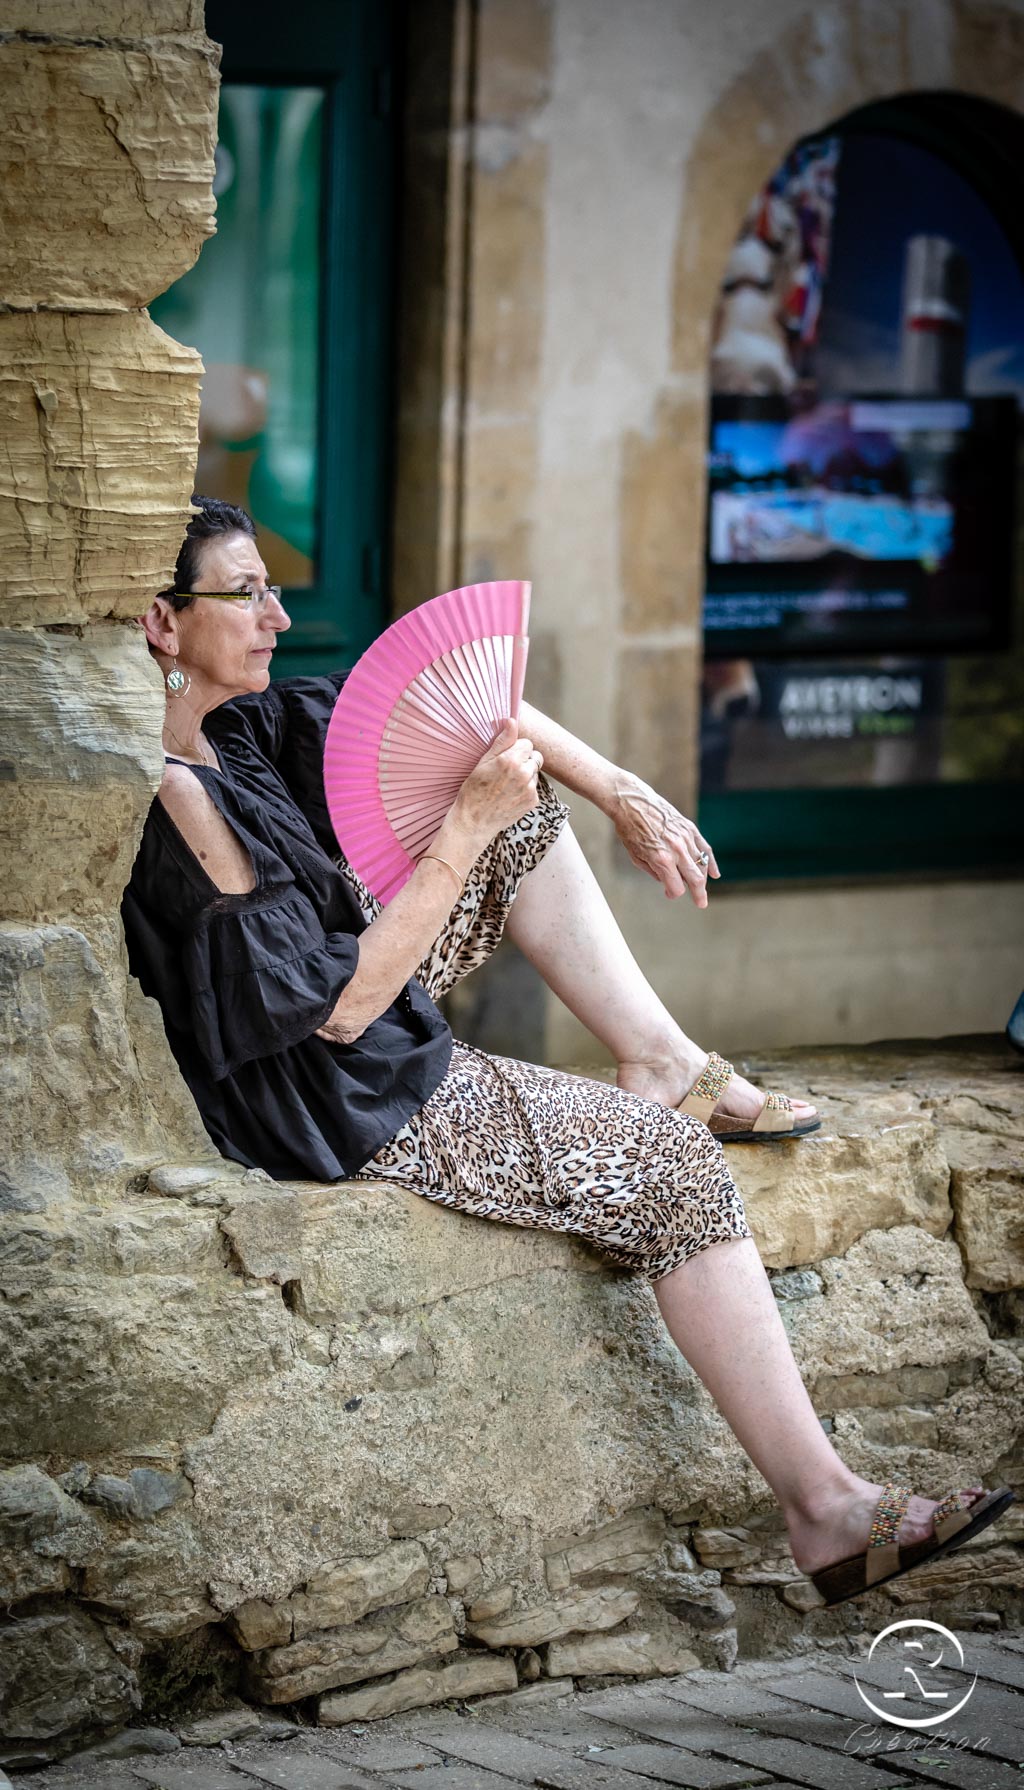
(226, 647)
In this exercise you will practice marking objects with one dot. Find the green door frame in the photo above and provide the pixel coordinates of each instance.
(347, 47)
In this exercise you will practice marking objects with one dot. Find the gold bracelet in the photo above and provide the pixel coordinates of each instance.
(437, 860)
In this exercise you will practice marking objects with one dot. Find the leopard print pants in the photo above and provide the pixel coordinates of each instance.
(646, 1186)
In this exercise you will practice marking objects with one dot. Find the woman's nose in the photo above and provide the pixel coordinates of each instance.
(277, 615)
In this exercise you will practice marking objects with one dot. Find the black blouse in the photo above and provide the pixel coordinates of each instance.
(244, 981)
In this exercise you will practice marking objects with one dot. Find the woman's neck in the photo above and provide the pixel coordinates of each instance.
(183, 735)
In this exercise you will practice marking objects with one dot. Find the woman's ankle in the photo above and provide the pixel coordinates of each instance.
(818, 1500)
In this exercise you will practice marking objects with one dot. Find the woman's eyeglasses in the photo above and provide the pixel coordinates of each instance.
(255, 600)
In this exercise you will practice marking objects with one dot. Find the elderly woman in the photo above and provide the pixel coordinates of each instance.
(302, 1018)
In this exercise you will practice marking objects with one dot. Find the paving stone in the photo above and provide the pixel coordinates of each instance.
(670, 1765)
(197, 1775)
(810, 1765)
(388, 1755)
(131, 1743)
(567, 1728)
(991, 1712)
(664, 1718)
(224, 1724)
(965, 1771)
(530, 1761)
(457, 1777)
(306, 1771)
(994, 1664)
(733, 1699)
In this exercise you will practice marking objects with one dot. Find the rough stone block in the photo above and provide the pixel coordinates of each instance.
(895, 1298)
(73, 1111)
(88, 526)
(256, 1624)
(464, 1573)
(154, 1581)
(418, 1519)
(106, 18)
(973, 1570)
(93, 1362)
(988, 1199)
(637, 1654)
(468, 1675)
(59, 1677)
(43, 1535)
(79, 764)
(225, 1724)
(626, 1545)
(579, 1611)
(267, 1232)
(344, 1593)
(493, 1603)
(838, 1186)
(900, 1427)
(383, 1642)
(106, 167)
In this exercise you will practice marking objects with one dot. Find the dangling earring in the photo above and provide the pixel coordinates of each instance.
(178, 682)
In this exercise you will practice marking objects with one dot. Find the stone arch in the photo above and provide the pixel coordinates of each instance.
(822, 66)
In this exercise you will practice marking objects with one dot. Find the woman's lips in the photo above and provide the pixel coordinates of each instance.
(262, 652)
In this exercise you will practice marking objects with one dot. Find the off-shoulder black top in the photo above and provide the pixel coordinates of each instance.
(244, 981)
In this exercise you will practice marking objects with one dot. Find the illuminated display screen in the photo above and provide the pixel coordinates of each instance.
(870, 525)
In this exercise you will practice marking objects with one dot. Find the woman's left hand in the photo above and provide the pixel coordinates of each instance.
(660, 840)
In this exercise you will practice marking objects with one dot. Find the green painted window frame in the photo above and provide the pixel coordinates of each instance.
(960, 828)
(347, 47)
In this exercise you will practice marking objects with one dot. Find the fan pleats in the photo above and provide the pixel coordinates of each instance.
(415, 717)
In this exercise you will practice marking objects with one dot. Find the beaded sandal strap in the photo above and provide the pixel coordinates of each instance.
(951, 1514)
(708, 1088)
(883, 1553)
(774, 1114)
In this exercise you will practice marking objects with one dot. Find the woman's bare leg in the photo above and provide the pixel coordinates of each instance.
(562, 923)
(721, 1314)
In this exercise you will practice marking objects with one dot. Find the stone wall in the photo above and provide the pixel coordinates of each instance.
(297, 1443)
(106, 155)
(581, 172)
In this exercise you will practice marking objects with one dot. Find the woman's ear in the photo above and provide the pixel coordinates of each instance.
(161, 627)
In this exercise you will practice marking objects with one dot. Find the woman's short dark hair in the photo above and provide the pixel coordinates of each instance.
(215, 519)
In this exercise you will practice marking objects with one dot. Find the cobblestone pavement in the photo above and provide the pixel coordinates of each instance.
(800, 1722)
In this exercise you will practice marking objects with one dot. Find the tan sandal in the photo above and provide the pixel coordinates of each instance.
(954, 1520)
(773, 1121)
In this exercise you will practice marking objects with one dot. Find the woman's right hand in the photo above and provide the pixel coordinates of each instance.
(501, 789)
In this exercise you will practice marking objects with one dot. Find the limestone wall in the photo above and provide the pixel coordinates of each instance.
(559, 306)
(342, 1451)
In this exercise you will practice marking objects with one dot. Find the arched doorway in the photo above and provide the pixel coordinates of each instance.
(863, 619)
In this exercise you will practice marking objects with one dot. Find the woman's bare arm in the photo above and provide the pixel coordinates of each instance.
(501, 789)
(657, 837)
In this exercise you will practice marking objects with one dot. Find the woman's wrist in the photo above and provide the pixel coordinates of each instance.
(459, 844)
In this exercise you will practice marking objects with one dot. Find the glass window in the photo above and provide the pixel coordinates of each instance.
(863, 622)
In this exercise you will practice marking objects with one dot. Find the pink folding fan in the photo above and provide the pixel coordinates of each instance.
(414, 717)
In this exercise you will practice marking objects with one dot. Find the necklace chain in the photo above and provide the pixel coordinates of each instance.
(210, 763)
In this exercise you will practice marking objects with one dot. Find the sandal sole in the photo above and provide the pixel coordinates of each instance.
(764, 1137)
(915, 1554)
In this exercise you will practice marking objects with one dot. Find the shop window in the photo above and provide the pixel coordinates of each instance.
(290, 306)
(863, 696)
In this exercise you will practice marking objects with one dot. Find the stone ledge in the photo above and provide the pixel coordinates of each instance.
(290, 1432)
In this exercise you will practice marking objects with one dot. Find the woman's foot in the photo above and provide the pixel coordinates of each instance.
(669, 1079)
(841, 1526)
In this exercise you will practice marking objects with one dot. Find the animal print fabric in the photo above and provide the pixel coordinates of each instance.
(520, 1144)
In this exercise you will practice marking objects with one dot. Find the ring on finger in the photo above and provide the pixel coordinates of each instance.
(703, 859)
